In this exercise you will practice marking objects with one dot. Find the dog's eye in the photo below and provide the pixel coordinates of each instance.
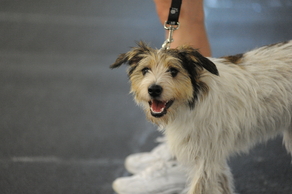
(173, 71)
(145, 70)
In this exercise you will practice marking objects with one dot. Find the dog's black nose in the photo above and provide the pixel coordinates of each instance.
(155, 90)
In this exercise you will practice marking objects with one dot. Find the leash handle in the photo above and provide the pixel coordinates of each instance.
(172, 23)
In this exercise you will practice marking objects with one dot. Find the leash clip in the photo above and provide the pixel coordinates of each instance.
(171, 28)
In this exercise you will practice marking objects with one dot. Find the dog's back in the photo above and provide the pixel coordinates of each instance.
(256, 88)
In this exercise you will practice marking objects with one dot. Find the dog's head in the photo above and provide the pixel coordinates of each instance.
(163, 80)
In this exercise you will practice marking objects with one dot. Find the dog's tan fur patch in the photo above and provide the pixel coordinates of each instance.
(178, 88)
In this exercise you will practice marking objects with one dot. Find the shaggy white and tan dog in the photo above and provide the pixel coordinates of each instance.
(212, 108)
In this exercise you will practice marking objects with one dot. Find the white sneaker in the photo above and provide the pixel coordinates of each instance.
(163, 177)
(138, 162)
(185, 190)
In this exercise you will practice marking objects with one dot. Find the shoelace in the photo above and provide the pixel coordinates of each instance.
(159, 168)
(161, 151)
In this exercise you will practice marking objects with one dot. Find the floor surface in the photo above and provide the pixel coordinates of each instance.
(67, 121)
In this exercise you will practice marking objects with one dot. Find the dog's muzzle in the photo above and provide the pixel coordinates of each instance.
(158, 108)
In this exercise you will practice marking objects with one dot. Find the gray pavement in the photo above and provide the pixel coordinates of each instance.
(67, 121)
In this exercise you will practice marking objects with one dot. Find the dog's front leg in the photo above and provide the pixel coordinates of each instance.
(211, 179)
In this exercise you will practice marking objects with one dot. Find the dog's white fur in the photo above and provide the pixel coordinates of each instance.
(250, 101)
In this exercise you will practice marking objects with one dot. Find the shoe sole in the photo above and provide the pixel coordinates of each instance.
(177, 190)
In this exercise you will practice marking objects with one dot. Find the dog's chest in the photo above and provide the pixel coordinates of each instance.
(183, 139)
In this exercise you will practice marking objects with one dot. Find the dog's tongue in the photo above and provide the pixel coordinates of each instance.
(157, 106)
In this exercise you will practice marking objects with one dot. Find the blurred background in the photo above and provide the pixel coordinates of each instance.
(67, 121)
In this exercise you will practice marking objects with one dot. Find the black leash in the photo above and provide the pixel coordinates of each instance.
(172, 23)
(174, 11)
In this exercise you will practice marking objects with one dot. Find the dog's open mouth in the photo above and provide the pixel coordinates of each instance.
(159, 108)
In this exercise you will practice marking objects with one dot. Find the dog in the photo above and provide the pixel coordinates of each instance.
(212, 108)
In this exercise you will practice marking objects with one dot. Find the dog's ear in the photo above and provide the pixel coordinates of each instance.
(122, 58)
(190, 55)
(133, 56)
